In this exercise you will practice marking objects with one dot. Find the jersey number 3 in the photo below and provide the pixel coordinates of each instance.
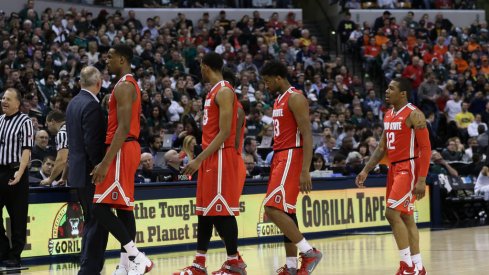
(276, 128)
(391, 137)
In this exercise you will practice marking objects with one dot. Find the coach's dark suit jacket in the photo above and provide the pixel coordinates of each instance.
(86, 129)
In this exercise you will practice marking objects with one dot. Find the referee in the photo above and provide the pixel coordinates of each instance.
(16, 140)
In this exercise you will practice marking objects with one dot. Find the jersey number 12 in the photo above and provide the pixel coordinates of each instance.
(391, 137)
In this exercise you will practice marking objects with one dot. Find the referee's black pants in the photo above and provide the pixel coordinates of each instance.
(15, 199)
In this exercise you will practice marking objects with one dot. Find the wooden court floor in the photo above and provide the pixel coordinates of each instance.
(456, 251)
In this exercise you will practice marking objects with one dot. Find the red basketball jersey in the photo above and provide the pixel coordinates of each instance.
(210, 121)
(135, 115)
(286, 134)
(400, 138)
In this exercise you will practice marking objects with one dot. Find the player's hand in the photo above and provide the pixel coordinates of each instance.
(360, 179)
(305, 182)
(99, 172)
(420, 189)
(192, 167)
(46, 182)
(15, 179)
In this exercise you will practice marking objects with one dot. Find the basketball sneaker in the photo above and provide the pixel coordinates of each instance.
(422, 271)
(120, 270)
(284, 270)
(194, 269)
(232, 267)
(309, 261)
(140, 264)
(404, 269)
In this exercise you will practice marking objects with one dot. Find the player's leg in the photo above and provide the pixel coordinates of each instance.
(413, 235)
(400, 185)
(290, 267)
(227, 227)
(127, 218)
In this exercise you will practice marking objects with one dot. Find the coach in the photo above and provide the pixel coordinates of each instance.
(86, 126)
(16, 140)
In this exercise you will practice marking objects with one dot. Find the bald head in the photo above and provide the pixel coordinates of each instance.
(91, 79)
(147, 162)
(172, 158)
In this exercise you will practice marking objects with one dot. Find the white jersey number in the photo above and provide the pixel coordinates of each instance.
(391, 137)
(276, 127)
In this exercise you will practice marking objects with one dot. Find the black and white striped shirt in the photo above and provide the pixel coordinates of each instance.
(16, 134)
(61, 138)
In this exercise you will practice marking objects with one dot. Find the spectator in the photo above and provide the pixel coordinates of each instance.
(453, 106)
(252, 171)
(464, 118)
(440, 166)
(482, 183)
(46, 168)
(450, 153)
(41, 147)
(474, 125)
(339, 165)
(483, 138)
(317, 163)
(473, 149)
(188, 149)
(250, 148)
(428, 93)
(326, 150)
(146, 173)
(345, 27)
(155, 143)
(173, 168)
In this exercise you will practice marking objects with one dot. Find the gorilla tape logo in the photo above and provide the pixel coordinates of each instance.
(67, 230)
(265, 226)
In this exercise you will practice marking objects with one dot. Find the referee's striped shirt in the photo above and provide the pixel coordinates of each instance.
(61, 138)
(16, 134)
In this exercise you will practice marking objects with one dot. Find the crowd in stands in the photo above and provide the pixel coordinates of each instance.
(406, 4)
(449, 69)
(43, 52)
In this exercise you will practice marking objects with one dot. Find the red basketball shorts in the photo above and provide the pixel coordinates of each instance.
(283, 185)
(219, 184)
(401, 180)
(117, 189)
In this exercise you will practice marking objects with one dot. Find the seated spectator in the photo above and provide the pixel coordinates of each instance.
(483, 138)
(464, 118)
(252, 171)
(147, 173)
(354, 162)
(250, 148)
(339, 165)
(472, 150)
(440, 166)
(326, 150)
(155, 143)
(317, 163)
(173, 168)
(46, 169)
(450, 153)
(187, 153)
(41, 148)
(482, 183)
(474, 126)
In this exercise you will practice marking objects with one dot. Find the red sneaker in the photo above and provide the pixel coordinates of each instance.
(309, 261)
(404, 269)
(284, 270)
(232, 267)
(422, 271)
(194, 269)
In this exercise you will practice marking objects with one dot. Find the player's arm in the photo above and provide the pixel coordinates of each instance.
(241, 118)
(59, 166)
(125, 95)
(417, 121)
(300, 108)
(224, 100)
(376, 157)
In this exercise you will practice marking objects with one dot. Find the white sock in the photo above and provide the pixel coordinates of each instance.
(303, 246)
(291, 262)
(417, 261)
(124, 260)
(406, 256)
(131, 249)
(233, 257)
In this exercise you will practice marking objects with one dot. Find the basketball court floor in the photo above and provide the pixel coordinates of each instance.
(456, 251)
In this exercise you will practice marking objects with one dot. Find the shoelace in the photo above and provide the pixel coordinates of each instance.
(282, 269)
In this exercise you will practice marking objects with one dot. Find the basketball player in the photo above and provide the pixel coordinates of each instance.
(406, 141)
(217, 190)
(114, 176)
(292, 146)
